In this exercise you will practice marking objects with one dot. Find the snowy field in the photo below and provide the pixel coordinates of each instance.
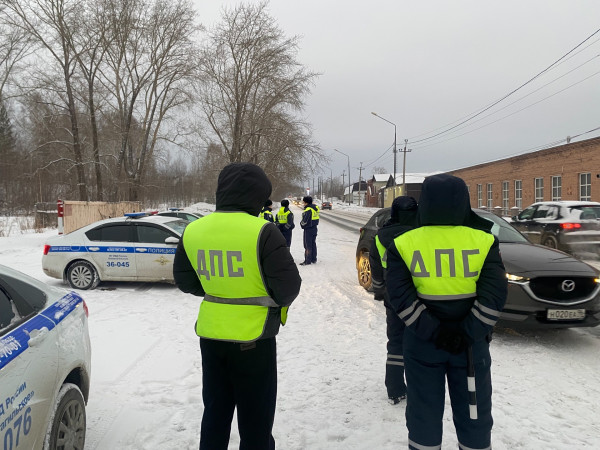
(146, 368)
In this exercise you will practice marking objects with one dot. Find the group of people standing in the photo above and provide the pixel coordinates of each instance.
(284, 219)
(436, 266)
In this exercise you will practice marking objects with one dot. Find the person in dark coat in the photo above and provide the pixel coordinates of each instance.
(446, 281)
(402, 219)
(285, 221)
(267, 211)
(243, 268)
(309, 223)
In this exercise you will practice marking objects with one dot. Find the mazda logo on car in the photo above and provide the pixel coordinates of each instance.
(567, 285)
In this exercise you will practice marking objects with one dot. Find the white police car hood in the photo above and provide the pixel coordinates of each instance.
(445, 201)
(242, 187)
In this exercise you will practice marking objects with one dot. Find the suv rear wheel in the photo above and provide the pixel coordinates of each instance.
(364, 271)
(550, 241)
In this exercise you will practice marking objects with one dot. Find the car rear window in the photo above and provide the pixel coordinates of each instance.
(177, 225)
(26, 298)
(587, 212)
(112, 233)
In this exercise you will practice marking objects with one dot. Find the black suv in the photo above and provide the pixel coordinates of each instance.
(546, 287)
(570, 226)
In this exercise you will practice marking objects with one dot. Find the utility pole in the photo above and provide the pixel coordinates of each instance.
(359, 184)
(344, 177)
(404, 168)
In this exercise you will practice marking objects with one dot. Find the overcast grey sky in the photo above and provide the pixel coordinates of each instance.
(429, 65)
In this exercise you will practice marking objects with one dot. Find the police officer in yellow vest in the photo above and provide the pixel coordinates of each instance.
(267, 211)
(285, 221)
(446, 281)
(309, 223)
(243, 268)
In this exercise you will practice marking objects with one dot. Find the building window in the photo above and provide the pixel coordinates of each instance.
(490, 199)
(539, 190)
(585, 186)
(519, 194)
(479, 196)
(556, 188)
(505, 198)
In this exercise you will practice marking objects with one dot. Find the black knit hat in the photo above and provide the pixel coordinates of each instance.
(307, 199)
(268, 202)
(285, 203)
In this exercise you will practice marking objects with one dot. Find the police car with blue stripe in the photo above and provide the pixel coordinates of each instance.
(44, 364)
(135, 247)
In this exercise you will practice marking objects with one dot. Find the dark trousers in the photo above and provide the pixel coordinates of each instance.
(242, 376)
(427, 370)
(287, 234)
(310, 245)
(394, 365)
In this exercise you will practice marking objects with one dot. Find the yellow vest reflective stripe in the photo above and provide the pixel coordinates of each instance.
(381, 249)
(236, 303)
(445, 261)
(265, 213)
(282, 215)
(313, 211)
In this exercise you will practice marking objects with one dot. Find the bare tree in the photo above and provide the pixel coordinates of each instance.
(251, 85)
(50, 23)
(150, 59)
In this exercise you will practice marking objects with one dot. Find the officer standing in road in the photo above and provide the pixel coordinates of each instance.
(403, 218)
(309, 223)
(242, 267)
(285, 221)
(446, 281)
(267, 211)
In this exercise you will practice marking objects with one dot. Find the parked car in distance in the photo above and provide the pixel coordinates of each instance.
(135, 247)
(326, 205)
(45, 362)
(571, 226)
(181, 213)
(547, 288)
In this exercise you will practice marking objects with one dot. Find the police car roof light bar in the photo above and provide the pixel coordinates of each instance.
(175, 209)
(135, 215)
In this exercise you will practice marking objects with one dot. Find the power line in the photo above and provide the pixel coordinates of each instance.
(508, 115)
(472, 116)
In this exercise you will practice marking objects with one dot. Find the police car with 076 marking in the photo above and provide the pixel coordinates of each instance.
(135, 247)
(45, 361)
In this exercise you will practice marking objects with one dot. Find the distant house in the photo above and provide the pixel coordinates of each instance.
(357, 195)
(377, 181)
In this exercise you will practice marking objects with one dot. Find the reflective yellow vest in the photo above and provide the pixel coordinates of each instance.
(236, 304)
(265, 213)
(313, 211)
(445, 261)
(282, 215)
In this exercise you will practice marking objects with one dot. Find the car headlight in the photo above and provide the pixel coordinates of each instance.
(516, 278)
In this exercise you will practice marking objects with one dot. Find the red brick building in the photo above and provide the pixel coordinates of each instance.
(567, 172)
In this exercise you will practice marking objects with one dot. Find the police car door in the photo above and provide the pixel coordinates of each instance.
(111, 248)
(28, 370)
(154, 256)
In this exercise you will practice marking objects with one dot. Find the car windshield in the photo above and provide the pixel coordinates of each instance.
(178, 225)
(502, 229)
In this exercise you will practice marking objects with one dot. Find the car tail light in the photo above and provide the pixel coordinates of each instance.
(570, 226)
(46, 249)
(85, 309)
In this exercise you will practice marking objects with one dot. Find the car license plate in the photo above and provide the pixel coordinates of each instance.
(566, 314)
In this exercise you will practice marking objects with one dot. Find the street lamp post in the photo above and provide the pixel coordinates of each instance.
(349, 184)
(395, 151)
